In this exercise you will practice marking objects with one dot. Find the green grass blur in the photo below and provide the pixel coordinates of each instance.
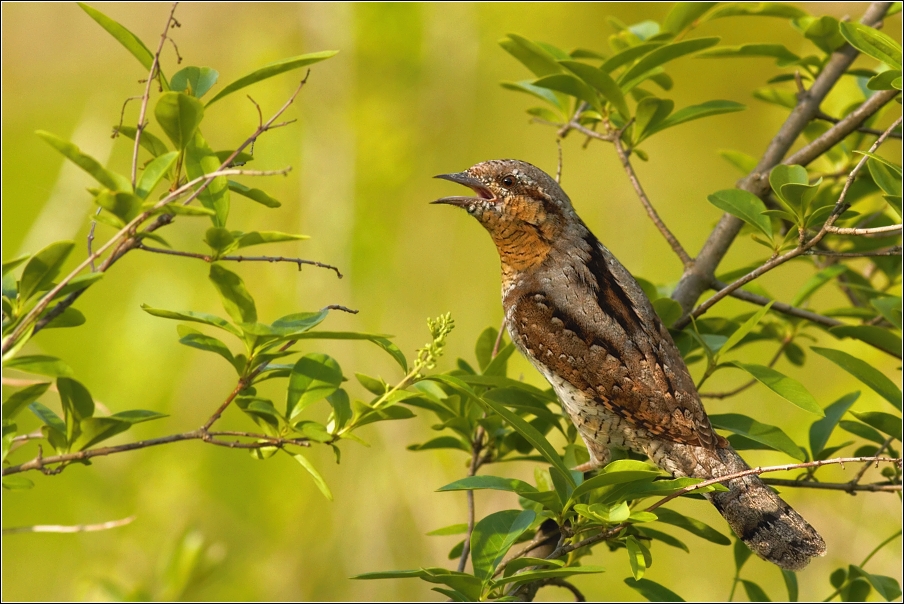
(414, 92)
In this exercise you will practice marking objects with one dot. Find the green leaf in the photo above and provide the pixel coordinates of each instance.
(886, 175)
(77, 405)
(551, 573)
(743, 162)
(664, 537)
(70, 317)
(652, 591)
(738, 335)
(194, 81)
(453, 529)
(483, 349)
(471, 483)
(692, 525)
(790, 578)
(93, 430)
(886, 80)
(531, 434)
(617, 472)
(22, 398)
(742, 553)
(890, 308)
(236, 299)
(817, 281)
(40, 364)
(629, 55)
(864, 372)
(272, 69)
(151, 143)
(571, 85)
(789, 389)
(872, 42)
(298, 323)
(822, 429)
(782, 175)
(379, 340)
(771, 436)
(442, 442)
(884, 422)
(755, 593)
(179, 115)
(531, 55)
(492, 538)
(260, 237)
(668, 310)
(199, 161)
(314, 377)
(822, 31)
(466, 584)
(121, 204)
(695, 112)
(129, 40)
(556, 99)
(744, 205)
(12, 264)
(651, 111)
(196, 339)
(318, 479)
(219, 240)
(154, 173)
(883, 339)
(602, 83)
(783, 56)
(196, 317)
(683, 15)
(887, 587)
(137, 416)
(660, 56)
(43, 268)
(757, 9)
(863, 431)
(253, 194)
(637, 557)
(17, 482)
(51, 419)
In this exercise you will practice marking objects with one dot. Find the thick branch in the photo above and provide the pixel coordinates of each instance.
(840, 206)
(697, 278)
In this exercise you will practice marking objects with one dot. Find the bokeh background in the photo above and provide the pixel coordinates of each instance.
(414, 92)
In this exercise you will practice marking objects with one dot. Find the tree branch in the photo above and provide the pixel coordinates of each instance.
(884, 231)
(697, 278)
(209, 258)
(798, 251)
(781, 307)
(834, 486)
(828, 118)
(609, 533)
(673, 242)
(894, 250)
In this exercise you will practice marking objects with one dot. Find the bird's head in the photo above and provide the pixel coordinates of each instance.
(522, 207)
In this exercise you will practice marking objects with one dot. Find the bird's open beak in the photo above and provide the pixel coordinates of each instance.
(463, 178)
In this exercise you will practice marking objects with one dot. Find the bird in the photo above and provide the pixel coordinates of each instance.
(584, 322)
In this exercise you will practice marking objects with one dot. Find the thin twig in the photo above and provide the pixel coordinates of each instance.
(894, 250)
(673, 242)
(828, 118)
(477, 445)
(852, 486)
(777, 306)
(145, 98)
(210, 258)
(884, 231)
(559, 166)
(77, 528)
(798, 251)
(834, 486)
(578, 596)
(611, 532)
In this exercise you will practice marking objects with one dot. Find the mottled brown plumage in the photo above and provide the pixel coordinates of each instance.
(585, 323)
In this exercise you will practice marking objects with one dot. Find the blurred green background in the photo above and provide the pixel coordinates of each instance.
(414, 92)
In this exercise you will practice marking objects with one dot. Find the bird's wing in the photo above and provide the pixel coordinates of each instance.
(600, 333)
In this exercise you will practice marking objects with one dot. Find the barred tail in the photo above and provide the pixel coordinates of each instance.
(769, 526)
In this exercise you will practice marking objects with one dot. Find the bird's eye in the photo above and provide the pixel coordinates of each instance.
(508, 181)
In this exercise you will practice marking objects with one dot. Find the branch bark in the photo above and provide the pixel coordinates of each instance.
(697, 278)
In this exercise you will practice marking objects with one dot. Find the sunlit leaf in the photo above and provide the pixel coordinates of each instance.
(493, 536)
(821, 429)
(195, 81)
(318, 479)
(771, 436)
(744, 205)
(235, 297)
(864, 372)
(179, 115)
(43, 268)
(789, 389)
(272, 69)
(40, 364)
